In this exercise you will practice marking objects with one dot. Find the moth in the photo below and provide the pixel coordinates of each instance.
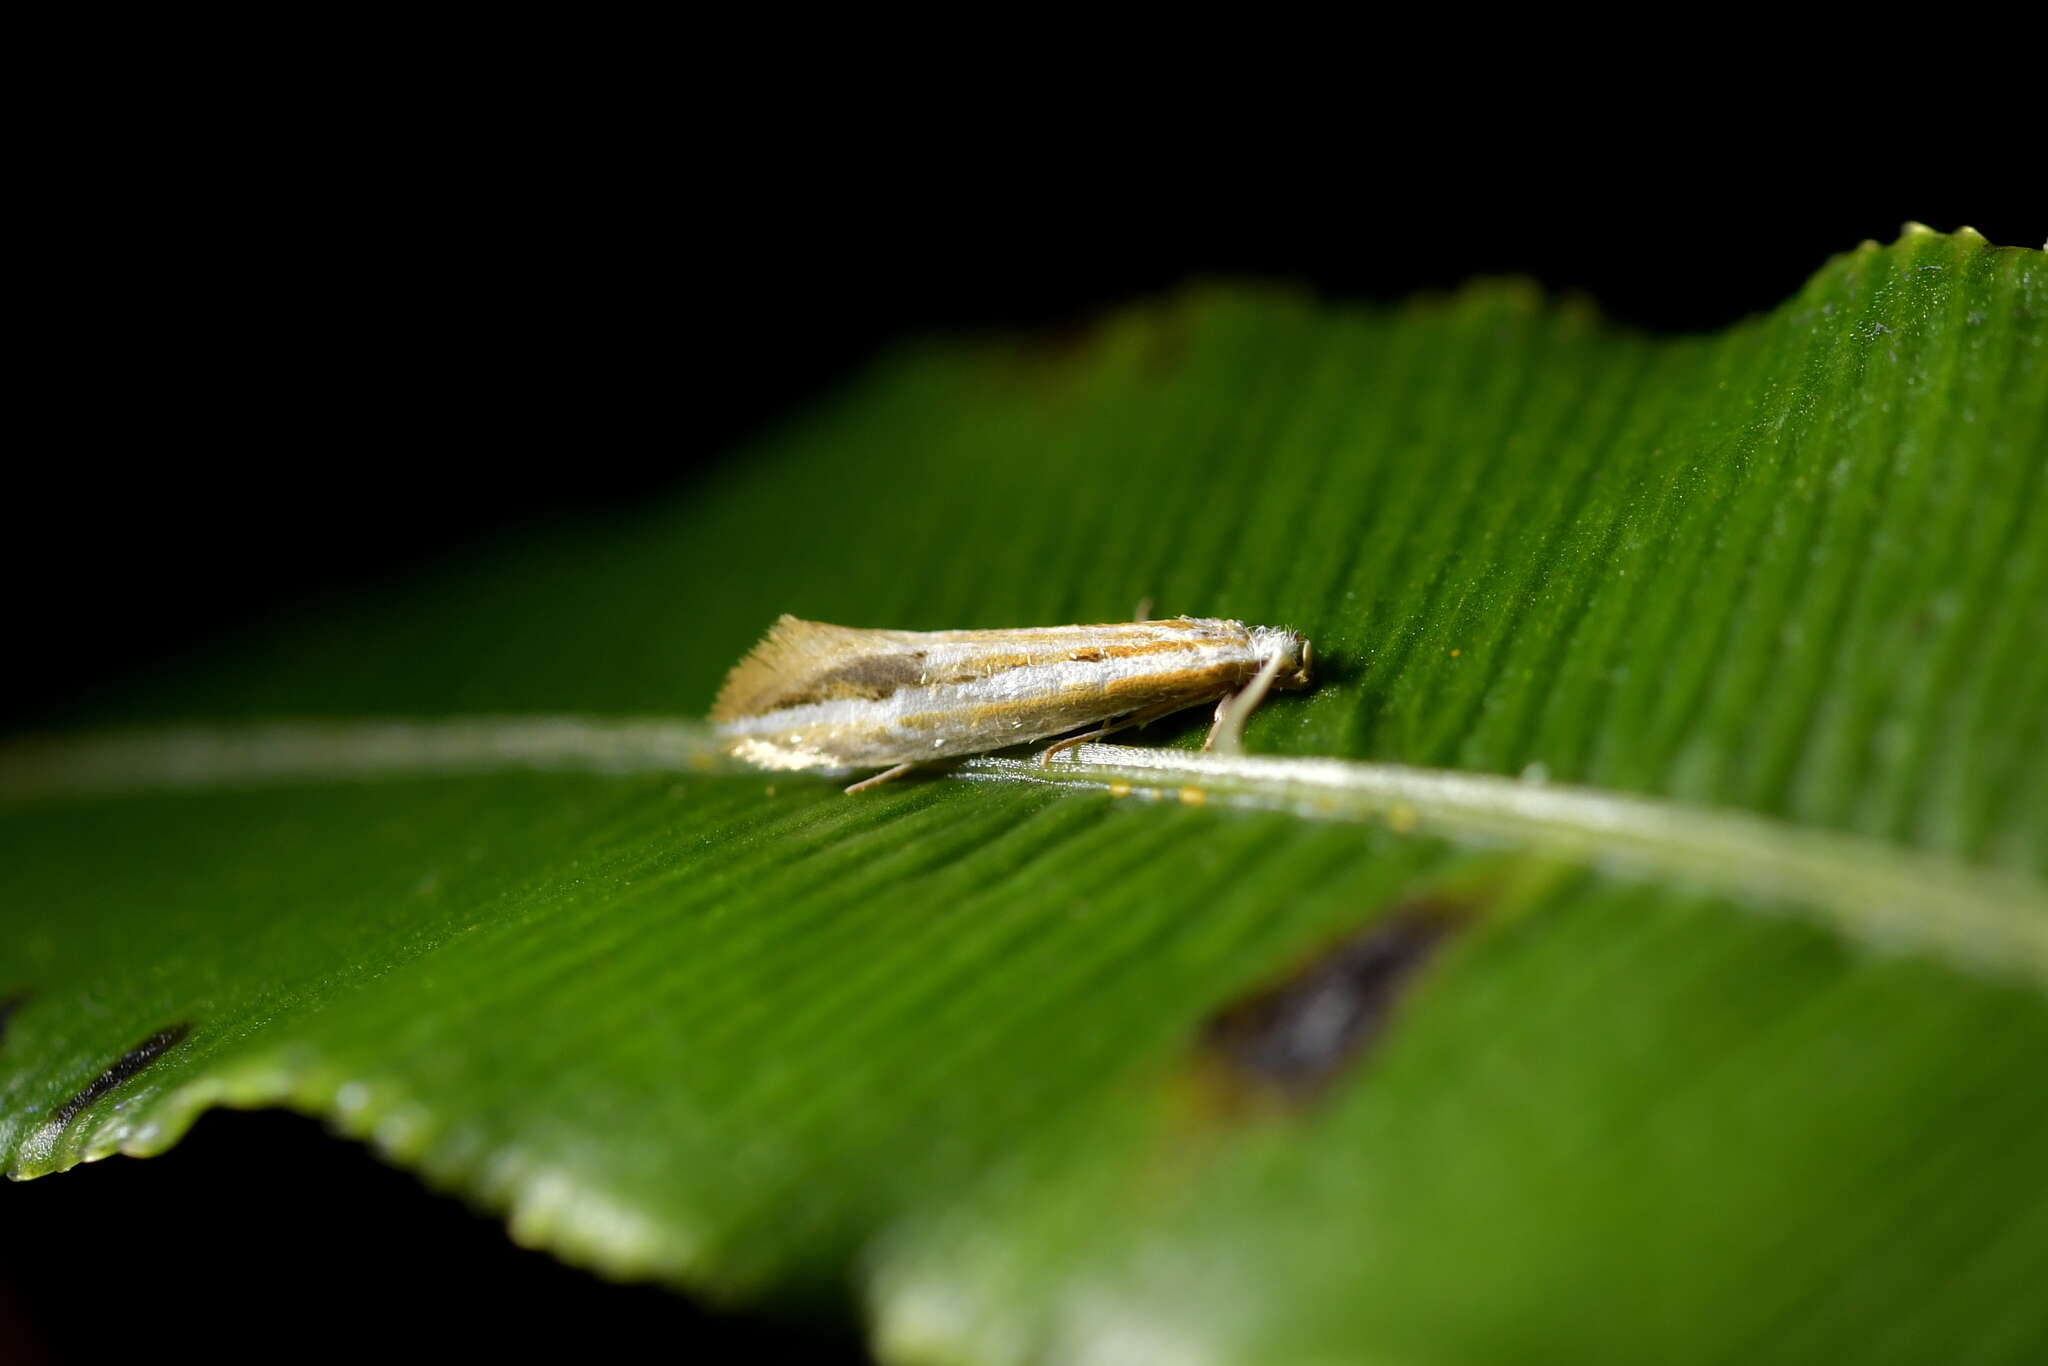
(816, 696)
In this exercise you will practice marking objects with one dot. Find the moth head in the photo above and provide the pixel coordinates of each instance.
(1296, 656)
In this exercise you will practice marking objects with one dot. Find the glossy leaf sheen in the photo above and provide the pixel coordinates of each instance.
(976, 1053)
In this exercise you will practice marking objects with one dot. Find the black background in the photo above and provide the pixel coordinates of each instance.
(271, 372)
(264, 380)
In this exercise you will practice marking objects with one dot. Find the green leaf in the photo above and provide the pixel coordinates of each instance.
(1634, 948)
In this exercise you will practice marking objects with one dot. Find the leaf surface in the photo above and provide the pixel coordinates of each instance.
(1728, 1042)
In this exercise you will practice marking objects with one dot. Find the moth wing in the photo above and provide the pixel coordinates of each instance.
(785, 666)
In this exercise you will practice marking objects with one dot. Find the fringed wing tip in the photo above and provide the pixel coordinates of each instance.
(778, 664)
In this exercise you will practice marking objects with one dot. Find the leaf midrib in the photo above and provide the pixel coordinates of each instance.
(1881, 895)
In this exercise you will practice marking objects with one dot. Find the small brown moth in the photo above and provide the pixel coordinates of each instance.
(817, 696)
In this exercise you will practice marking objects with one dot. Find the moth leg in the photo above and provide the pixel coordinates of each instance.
(1216, 726)
(884, 776)
(1226, 733)
(1144, 612)
(1144, 717)
(1045, 755)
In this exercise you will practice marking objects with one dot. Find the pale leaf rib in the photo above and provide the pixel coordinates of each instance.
(1879, 895)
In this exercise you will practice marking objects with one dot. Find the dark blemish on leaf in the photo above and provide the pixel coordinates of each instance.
(1076, 343)
(8, 1005)
(1295, 1037)
(1169, 344)
(1062, 344)
(125, 1066)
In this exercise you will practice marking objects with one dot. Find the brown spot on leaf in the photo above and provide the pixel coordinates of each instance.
(1062, 344)
(1291, 1039)
(124, 1067)
(1076, 344)
(8, 1005)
